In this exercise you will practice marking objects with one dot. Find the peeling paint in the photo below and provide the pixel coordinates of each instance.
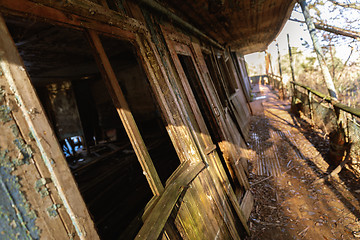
(31, 136)
(52, 210)
(5, 114)
(2, 94)
(15, 130)
(25, 150)
(41, 188)
(17, 221)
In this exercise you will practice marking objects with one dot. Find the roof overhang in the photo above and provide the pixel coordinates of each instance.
(244, 25)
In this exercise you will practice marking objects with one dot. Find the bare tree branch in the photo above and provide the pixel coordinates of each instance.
(347, 60)
(346, 5)
(332, 29)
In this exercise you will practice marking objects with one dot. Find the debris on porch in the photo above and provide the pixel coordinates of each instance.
(287, 156)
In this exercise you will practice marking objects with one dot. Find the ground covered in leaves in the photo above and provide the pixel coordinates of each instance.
(287, 156)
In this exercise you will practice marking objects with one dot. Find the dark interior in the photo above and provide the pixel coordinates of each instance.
(63, 71)
(205, 108)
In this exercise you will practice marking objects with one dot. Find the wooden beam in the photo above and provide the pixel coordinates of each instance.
(353, 111)
(73, 14)
(125, 114)
(14, 71)
(155, 223)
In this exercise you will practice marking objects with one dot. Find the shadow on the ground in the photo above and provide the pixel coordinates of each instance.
(321, 144)
(267, 208)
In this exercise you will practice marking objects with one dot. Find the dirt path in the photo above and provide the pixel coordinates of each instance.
(287, 155)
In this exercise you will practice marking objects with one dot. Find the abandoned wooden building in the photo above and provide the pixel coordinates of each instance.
(123, 119)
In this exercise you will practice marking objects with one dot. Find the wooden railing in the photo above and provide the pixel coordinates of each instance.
(277, 83)
(334, 118)
(334, 102)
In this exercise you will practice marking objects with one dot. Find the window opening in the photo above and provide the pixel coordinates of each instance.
(204, 105)
(226, 74)
(144, 107)
(215, 79)
(79, 108)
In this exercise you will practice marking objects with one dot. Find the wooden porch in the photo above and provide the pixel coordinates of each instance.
(287, 155)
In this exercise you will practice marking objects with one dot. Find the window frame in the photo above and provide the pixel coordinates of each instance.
(125, 29)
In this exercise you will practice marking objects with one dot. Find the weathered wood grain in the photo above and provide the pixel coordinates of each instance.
(125, 114)
(30, 107)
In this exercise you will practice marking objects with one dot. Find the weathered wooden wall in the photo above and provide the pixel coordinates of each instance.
(207, 197)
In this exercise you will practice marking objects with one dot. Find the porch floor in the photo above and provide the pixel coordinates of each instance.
(286, 156)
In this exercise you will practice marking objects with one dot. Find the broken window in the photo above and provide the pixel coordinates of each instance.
(224, 68)
(80, 109)
(143, 106)
(204, 105)
(216, 79)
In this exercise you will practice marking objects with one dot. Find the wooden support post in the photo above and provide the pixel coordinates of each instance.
(291, 59)
(319, 53)
(311, 108)
(125, 113)
(280, 72)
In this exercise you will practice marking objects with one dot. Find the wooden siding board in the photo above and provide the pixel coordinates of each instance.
(178, 116)
(204, 137)
(74, 16)
(247, 204)
(46, 141)
(43, 173)
(154, 224)
(217, 194)
(24, 174)
(241, 111)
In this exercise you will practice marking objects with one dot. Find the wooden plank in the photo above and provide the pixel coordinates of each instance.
(247, 204)
(133, 10)
(213, 188)
(200, 208)
(229, 153)
(155, 223)
(85, 15)
(205, 137)
(41, 203)
(167, 93)
(125, 113)
(32, 185)
(29, 105)
(209, 149)
(218, 173)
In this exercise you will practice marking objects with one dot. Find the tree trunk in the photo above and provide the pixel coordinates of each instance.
(324, 69)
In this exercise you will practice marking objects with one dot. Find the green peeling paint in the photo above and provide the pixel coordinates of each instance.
(41, 188)
(31, 136)
(2, 95)
(15, 130)
(5, 114)
(17, 220)
(52, 210)
(25, 150)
